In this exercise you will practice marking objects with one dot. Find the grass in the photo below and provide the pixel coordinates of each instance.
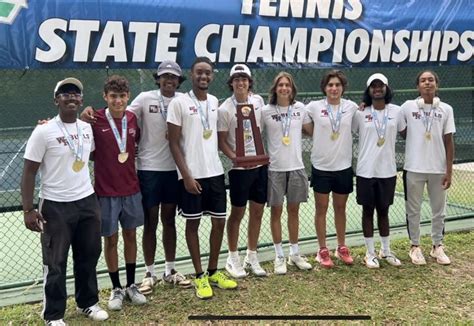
(410, 294)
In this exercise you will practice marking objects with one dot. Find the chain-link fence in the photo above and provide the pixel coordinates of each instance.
(28, 96)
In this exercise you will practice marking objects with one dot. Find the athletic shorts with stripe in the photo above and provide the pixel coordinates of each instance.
(211, 201)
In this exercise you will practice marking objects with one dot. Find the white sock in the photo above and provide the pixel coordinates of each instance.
(251, 253)
(294, 249)
(369, 243)
(169, 266)
(234, 254)
(151, 269)
(279, 250)
(385, 244)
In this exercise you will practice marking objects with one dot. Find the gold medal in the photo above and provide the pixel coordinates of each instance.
(334, 135)
(286, 140)
(123, 157)
(207, 133)
(380, 142)
(77, 165)
(428, 135)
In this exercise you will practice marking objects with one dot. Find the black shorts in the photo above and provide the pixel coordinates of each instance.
(158, 187)
(339, 182)
(375, 192)
(212, 200)
(248, 185)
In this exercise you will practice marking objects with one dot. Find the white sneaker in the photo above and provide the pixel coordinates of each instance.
(116, 299)
(437, 252)
(58, 322)
(390, 258)
(252, 263)
(416, 256)
(279, 267)
(371, 261)
(134, 295)
(234, 267)
(300, 261)
(95, 312)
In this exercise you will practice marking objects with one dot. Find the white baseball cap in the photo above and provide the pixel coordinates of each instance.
(68, 81)
(169, 67)
(377, 76)
(240, 68)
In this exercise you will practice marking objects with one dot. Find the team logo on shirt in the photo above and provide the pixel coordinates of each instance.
(294, 116)
(417, 115)
(132, 132)
(324, 113)
(368, 118)
(152, 108)
(62, 139)
(193, 110)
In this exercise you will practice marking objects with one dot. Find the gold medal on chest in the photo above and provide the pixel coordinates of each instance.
(380, 142)
(77, 165)
(334, 135)
(428, 135)
(123, 157)
(207, 133)
(286, 140)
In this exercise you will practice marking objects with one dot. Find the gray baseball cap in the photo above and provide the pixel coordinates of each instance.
(169, 67)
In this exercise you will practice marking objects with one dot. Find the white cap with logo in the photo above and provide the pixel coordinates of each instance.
(377, 76)
(68, 81)
(240, 68)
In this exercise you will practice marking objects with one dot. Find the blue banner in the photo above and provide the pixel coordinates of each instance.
(320, 33)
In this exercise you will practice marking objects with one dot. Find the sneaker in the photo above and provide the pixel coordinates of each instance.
(58, 322)
(324, 258)
(134, 295)
(116, 299)
(416, 256)
(95, 312)
(279, 265)
(344, 254)
(390, 258)
(371, 261)
(252, 263)
(437, 252)
(148, 283)
(203, 288)
(222, 281)
(234, 268)
(300, 261)
(176, 278)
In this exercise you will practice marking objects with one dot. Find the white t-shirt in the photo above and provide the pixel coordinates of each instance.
(328, 154)
(422, 155)
(227, 121)
(201, 155)
(284, 157)
(377, 161)
(48, 146)
(153, 149)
